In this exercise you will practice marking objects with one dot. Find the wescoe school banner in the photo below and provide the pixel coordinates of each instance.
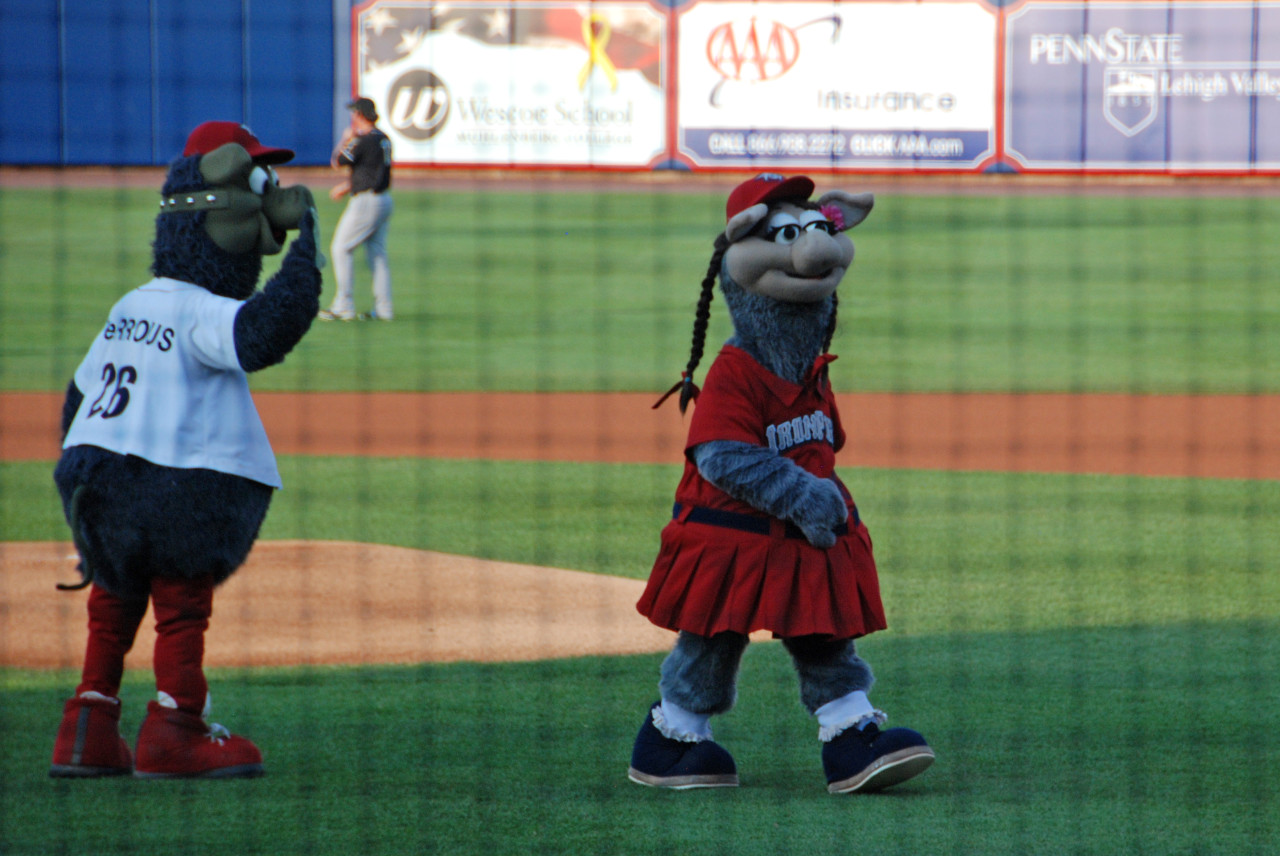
(837, 85)
(516, 83)
(1143, 86)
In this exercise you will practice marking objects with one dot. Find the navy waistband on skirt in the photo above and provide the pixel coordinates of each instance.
(746, 522)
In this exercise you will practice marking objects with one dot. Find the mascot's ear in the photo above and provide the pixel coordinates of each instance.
(227, 164)
(744, 221)
(853, 207)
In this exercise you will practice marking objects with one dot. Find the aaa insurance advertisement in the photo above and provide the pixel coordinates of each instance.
(525, 83)
(837, 85)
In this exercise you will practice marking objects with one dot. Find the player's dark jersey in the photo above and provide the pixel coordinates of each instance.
(369, 157)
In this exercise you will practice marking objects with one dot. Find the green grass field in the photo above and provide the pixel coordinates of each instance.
(1094, 658)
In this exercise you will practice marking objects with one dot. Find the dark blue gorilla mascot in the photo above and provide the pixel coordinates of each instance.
(166, 471)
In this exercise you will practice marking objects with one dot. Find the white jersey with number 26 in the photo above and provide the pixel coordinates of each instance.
(162, 381)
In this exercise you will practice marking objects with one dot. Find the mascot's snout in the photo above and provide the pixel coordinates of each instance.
(816, 253)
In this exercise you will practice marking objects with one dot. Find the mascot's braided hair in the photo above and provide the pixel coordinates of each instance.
(687, 388)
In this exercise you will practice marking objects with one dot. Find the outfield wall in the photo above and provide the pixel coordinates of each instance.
(122, 81)
(939, 85)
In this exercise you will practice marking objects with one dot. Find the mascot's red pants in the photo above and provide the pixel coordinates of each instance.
(182, 610)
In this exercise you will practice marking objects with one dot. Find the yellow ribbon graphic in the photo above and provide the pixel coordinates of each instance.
(595, 35)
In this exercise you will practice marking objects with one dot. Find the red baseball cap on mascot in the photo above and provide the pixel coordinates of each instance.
(766, 187)
(210, 135)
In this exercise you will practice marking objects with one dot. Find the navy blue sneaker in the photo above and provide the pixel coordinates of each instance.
(661, 762)
(871, 760)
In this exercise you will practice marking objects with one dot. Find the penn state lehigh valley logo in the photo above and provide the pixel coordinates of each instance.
(1129, 99)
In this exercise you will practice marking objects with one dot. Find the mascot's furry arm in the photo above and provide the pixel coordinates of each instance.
(776, 485)
(276, 318)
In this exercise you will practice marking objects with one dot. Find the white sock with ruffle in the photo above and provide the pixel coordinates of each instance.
(676, 723)
(850, 710)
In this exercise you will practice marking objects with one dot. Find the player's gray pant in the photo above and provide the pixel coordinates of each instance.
(363, 222)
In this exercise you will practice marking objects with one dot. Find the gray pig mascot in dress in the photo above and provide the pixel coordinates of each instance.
(764, 535)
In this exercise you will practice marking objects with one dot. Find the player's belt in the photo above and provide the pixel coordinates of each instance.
(746, 522)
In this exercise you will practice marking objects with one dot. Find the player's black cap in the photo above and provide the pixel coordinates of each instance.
(365, 107)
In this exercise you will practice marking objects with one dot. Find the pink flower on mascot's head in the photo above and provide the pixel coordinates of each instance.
(833, 214)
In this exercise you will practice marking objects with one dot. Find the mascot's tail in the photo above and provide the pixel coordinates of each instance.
(82, 547)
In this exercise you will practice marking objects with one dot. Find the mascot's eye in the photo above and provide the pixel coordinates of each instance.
(784, 234)
(816, 221)
(260, 177)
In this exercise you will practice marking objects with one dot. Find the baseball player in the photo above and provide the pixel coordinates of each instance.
(366, 151)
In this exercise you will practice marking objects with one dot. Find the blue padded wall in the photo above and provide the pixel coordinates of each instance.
(122, 82)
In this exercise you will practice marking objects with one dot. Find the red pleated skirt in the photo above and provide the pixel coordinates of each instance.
(708, 579)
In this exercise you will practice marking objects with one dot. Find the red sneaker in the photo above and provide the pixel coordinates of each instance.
(89, 742)
(174, 744)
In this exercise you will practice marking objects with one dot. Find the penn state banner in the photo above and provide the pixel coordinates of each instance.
(516, 83)
(1143, 86)
(837, 85)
